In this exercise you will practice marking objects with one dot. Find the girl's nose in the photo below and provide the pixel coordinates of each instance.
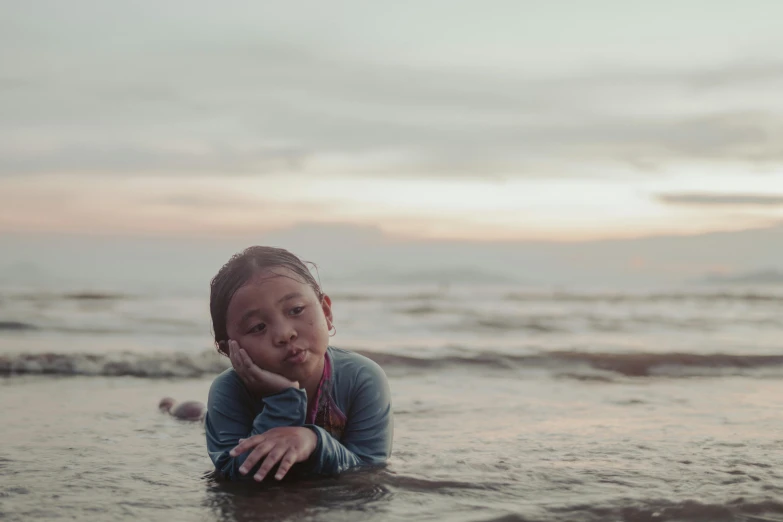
(284, 334)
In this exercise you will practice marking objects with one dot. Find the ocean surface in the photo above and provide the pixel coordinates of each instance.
(511, 404)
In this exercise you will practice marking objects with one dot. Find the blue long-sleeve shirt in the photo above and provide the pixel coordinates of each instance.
(353, 418)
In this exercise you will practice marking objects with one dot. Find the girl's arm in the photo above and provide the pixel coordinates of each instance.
(367, 439)
(233, 414)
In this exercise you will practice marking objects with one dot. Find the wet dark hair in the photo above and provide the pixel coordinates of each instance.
(238, 271)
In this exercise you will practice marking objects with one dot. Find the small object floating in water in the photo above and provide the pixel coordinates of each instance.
(188, 410)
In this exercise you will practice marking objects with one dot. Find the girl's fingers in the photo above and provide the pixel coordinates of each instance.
(233, 355)
(246, 444)
(271, 459)
(271, 379)
(237, 352)
(249, 369)
(240, 362)
(274, 380)
(266, 381)
(248, 362)
(256, 455)
(257, 373)
(285, 464)
(260, 374)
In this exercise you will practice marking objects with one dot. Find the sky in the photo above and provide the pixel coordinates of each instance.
(426, 120)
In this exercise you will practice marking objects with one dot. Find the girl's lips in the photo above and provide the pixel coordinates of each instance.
(297, 357)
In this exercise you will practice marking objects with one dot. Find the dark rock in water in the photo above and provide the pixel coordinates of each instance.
(188, 410)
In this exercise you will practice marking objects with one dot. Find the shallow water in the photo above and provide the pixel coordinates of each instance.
(641, 422)
(540, 449)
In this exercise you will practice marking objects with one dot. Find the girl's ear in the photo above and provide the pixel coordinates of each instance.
(326, 306)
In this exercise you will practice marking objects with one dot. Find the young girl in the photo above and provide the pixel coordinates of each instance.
(289, 397)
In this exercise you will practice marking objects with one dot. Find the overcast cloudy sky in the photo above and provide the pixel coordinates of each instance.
(451, 119)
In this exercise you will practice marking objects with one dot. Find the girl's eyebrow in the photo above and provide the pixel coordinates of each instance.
(250, 313)
(292, 295)
(257, 312)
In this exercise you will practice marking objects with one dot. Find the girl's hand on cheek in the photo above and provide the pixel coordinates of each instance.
(286, 445)
(259, 382)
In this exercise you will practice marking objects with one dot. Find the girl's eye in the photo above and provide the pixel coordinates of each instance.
(297, 310)
(257, 328)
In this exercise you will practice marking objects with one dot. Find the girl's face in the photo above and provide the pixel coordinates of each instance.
(281, 323)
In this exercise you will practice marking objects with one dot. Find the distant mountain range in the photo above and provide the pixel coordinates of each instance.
(443, 276)
(748, 278)
(347, 253)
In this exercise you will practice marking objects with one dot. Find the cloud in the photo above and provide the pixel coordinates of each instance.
(8, 84)
(714, 199)
(738, 74)
(148, 159)
(250, 106)
(222, 200)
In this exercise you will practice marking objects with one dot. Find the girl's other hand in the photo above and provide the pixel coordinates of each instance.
(259, 382)
(286, 445)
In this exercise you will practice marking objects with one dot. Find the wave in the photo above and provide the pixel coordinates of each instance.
(154, 325)
(671, 364)
(685, 511)
(387, 296)
(16, 326)
(570, 364)
(463, 321)
(531, 324)
(428, 309)
(112, 365)
(750, 296)
(70, 296)
(641, 298)
(93, 296)
(625, 364)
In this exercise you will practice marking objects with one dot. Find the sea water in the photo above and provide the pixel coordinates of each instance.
(511, 404)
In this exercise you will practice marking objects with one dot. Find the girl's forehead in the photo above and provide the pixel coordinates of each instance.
(272, 275)
(270, 285)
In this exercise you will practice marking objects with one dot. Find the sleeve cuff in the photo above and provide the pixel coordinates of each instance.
(316, 460)
(286, 408)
